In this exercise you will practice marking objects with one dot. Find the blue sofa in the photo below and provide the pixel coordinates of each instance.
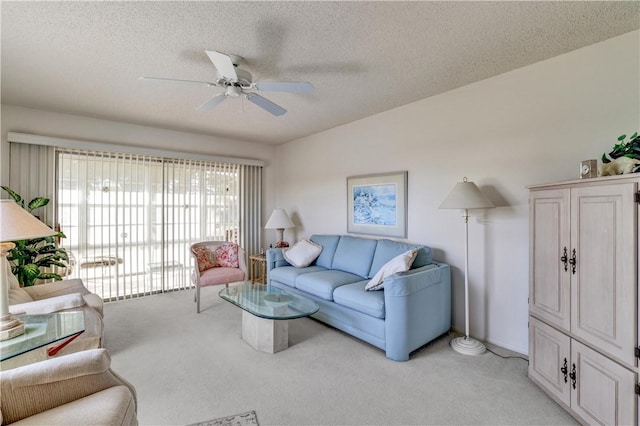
(413, 308)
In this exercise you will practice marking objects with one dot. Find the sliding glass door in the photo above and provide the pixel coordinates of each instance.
(129, 219)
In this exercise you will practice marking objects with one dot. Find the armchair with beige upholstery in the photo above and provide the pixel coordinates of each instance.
(75, 389)
(54, 297)
(217, 262)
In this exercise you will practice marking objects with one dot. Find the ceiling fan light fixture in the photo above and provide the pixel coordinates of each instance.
(234, 91)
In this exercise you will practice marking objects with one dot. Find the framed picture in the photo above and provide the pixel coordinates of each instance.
(377, 204)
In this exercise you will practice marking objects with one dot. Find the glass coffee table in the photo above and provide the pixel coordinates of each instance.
(42, 330)
(265, 314)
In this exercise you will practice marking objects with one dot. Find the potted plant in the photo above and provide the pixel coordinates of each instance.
(624, 148)
(29, 256)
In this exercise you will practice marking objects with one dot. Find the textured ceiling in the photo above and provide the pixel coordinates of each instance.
(362, 57)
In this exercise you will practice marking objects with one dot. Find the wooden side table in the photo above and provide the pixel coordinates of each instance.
(260, 261)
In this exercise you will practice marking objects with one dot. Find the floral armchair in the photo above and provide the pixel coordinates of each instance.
(217, 262)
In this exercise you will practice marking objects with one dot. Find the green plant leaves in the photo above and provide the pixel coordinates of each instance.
(624, 148)
(27, 274)
(16, 197)
(37, 202)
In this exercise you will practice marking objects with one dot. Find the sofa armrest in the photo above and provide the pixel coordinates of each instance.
(68, 286)
(417, 308)
(46, 306)
(414, 280)
(275, 259)
(41, 386)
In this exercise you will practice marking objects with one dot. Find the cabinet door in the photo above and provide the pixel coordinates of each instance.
(605, 391)
(549, 363)
(549, 280)
(603, 288)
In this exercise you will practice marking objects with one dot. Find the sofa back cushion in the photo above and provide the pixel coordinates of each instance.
(354, 255)
(388, 249)
(16, 293)
(329, 244)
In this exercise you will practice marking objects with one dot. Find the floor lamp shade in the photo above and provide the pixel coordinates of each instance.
(466, 195)
(15, 224)
(279, 220)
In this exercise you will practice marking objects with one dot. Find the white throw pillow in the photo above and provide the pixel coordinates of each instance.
(400, 263)
(302, 253)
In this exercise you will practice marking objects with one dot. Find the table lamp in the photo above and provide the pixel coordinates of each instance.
(279, 221)
(15, 224)
(466, 195)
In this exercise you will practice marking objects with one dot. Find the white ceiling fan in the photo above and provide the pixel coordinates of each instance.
(238, 82)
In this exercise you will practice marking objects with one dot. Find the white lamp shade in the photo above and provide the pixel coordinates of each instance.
(279, 220)
(18, 224)
(466, 195)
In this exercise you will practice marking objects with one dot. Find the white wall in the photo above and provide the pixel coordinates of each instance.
(531, 125)
(39, 122)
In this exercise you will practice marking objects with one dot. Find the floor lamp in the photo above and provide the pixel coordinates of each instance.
(15, 224)
(466, 195)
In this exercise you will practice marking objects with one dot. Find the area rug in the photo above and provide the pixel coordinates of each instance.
(250, 418)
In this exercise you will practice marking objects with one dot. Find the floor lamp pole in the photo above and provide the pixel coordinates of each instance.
(467, 345)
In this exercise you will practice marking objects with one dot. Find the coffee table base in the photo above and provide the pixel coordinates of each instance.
(265, 335)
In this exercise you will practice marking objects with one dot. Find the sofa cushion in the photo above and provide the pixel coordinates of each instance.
(400, 263)
(388, 249)
(16, 293)
(287, 274)
(354, 255)
(355, 297)
(329, 244)
(322, 283)
(221, 275)
(302, 253)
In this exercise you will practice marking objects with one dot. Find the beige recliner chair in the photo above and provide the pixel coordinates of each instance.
(55, 297)
(75, 389)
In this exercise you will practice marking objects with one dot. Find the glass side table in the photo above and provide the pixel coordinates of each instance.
(42, 330)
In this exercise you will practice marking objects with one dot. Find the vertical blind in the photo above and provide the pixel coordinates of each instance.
(129, 218)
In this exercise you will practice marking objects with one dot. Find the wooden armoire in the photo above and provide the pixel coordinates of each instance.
(583, 296)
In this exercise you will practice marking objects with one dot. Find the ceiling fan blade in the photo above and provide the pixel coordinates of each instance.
(284, 86)
(265, 104)
(211, 103)
(174, 80)
(224, 64)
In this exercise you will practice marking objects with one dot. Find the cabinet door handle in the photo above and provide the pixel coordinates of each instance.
(572, 261)
(565, 370)
(564, 258)
(572, 375)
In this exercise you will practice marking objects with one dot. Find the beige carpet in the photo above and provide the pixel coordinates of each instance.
(188, 367)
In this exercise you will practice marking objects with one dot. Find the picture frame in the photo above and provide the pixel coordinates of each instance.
(377, 204)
